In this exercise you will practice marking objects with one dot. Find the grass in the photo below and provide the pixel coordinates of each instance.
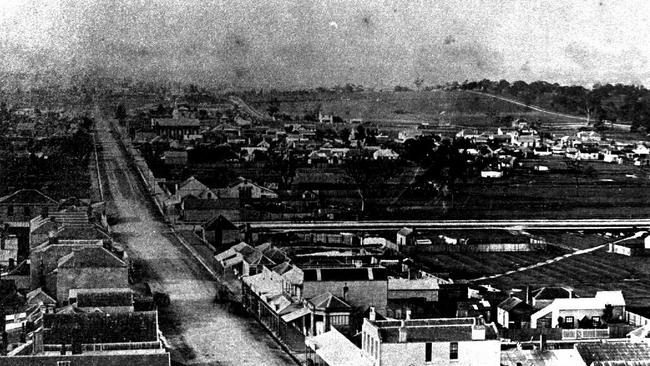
(399, 109)
(473, 265)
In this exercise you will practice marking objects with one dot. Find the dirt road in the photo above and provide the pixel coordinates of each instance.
(199, 331)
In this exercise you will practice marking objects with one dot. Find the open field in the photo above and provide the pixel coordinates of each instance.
(398, 109)
(589, 273)
(473, 265)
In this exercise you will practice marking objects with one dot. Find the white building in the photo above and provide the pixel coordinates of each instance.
(451, 341)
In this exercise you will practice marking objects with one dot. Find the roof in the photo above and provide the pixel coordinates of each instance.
(403, 284)
(329, 302)
(177, 122)
(27, 196)
(614, 298)
(551, 293)
(98, 327)
(39, 295)
(191, 202)
(432, 330)
(405, 231)
(346, 274)
(536, 357)
(336, 350)
(219, 223)
(511, 303)
(104, 297)
(96, 257)
(622, 353)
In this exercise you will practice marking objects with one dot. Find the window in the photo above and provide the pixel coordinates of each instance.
(62, 363)
(10, 210)
(568, 322)
(27, 211)
(453, 350)
(595, 321)
(427, 352)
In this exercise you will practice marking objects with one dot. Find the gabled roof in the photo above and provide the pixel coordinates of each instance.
(192, 181)
(95, 257)
(27, 196)
(38, 295)
(219, 223)
(329, 302)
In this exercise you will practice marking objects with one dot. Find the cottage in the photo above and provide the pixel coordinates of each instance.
(573, 312)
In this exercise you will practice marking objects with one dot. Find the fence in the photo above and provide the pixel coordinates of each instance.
(93, 347)
(585, 333)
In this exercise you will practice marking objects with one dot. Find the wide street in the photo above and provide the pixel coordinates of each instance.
(199, 331)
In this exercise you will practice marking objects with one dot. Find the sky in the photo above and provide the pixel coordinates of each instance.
(306, 43)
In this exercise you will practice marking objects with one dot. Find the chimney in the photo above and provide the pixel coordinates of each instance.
(408, 314)
(372, 316)
(402, 332)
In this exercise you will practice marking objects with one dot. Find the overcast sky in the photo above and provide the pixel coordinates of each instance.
(251, 43)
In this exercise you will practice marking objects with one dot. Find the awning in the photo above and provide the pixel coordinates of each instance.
(295, 315)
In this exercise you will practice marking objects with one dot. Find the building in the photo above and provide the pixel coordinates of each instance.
(199, 210)
(333, 349)
(328, 312)
(219, 231)
(581, 312)
(44, 260)
(362, 287)
(405, 236)
(192, 186)
(176, 128)
(514, 313)
(243, 188)
(89, 268)
(17, 210)
(96, 338)
(444, 341)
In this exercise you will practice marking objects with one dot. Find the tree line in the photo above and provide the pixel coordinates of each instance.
(602, 102)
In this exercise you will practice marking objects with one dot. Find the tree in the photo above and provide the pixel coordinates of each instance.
(369, 175)
(120, 112)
